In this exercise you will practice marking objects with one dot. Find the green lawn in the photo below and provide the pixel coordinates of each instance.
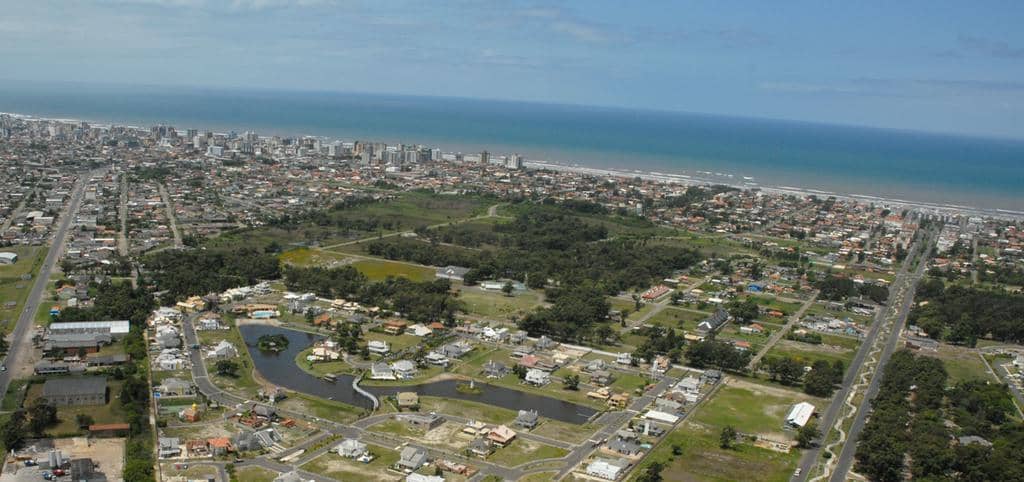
(521, 451)
(808, 353)
(497, 305)
(252, 473)
(396, 342)
(243, 382)
(13, 288)
(326, 409)
(749, 408)
(467, 409)
(337, 467)
(628, 382)
(678, 318)
(310, 257)
(378, 270)
(961, 363)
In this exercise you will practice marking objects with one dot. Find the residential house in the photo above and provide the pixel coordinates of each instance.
(545, 343)
(378, 347)
(537, 377)
(224, 349)
(481, 447)
(451, 272)
(608, 469)
(408, 400)
(219, 446)
(351, 448)
(501, 435)
(168, 447)
(527, 419)
(421, 421)
(435, 358)
(456, 349)
(394, 327)
(601, 377)
(624, 359)
(412, 458)
(712, 323)
(404, 369)
(381, 371)
(625, 443)
(175, 387)
(493, 369)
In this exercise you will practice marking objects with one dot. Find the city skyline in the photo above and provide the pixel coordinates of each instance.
(953, 70)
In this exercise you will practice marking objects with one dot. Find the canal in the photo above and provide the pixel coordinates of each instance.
(281, 370)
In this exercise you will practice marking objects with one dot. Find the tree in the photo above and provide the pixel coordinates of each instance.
(807, 434)
(652, 473)
(727, 437)
(41, 416)
(637, 304)
(84, 420)
(571, 382)
(228, 368)
(13, 432)
(519, 370)
(822, 378)
(507, 288)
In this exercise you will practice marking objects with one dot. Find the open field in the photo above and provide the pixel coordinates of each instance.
(311, 257)
(961, 363)
(496, 305)
(379, 270)
(471, 410)
(253, 473)
(749, 408)
(337, 467)
(325, 409)
(521, 451)
(13, 289)
(808, 353)
(244, 381)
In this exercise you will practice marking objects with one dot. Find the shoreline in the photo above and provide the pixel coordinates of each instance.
(700, 177)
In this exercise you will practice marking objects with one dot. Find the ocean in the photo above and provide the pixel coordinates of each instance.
(911, 166)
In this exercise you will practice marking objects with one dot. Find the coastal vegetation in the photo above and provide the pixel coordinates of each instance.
(182, 273)
(963, 315)
(272, 343)
(914, 418)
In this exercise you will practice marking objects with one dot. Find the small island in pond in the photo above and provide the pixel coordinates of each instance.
(272, 343)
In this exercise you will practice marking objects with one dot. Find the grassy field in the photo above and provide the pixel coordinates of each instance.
(13, 288)
(749, 408)
(325, 409)
(253, 473)
(243, 382)
(379, 270)
(471, 410)
(521, 451)
(397, 343)
(310, 257)
(112, 412)
(808, 353)
(340, 468)
(497, 305)
(678, 318)
(961, 363)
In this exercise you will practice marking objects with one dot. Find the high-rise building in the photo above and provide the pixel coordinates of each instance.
(514, 161)
(485, 157)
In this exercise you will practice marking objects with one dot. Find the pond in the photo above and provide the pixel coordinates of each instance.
(281, 370)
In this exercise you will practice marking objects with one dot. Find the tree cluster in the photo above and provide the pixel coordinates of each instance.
(914, 419)
(182, 273)
(714, 353)
(962, 315)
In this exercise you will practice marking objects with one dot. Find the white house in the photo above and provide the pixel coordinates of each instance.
(609, 469)
(378, 347)
(624, 359)
(404, 369)
(224, 349)
(381, 371)
(537, 377)
(351, 448)
(7, 257)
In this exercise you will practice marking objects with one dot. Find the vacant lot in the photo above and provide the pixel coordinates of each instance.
(379, 270)
(808, 354)
(312, 257)
(112, 412)
(749, 408)
(961, 363)
(337, 467)
(253, 473)
(497, 305)
(521, 451)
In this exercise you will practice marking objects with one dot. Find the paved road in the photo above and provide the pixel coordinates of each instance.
(828, 419)
(780, 333)
(171, 218)
(21, 339)
(845, 461)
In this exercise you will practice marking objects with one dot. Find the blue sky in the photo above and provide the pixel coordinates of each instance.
(924, 65)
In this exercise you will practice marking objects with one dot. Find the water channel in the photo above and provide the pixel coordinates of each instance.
(281, 370)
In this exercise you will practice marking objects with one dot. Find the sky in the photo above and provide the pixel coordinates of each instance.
(940, 66)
